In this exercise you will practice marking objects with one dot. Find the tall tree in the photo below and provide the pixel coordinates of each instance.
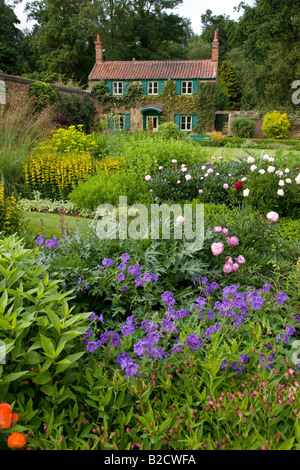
(10, 40)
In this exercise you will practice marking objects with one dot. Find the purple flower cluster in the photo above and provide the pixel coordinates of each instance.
(281, 298)
(51, 243)
(237, 366)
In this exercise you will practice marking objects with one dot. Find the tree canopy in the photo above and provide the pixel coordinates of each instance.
(262, 46)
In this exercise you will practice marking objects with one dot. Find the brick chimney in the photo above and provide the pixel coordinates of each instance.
(99, 50)
(215, 47)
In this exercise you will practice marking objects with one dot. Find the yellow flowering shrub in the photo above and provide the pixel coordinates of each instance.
(10, 214)
(68, 140)
(54, 175)
(112, 165)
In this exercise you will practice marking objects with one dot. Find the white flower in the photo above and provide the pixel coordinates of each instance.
(178, 182)
(262, 172)
(230, 175)
(280, 192)
(281, 183)
(217, 174)
(210, 171)
(273, 216)
(225, 186)
(271, 169)
(221, 158)
(180, 219)
(266, 157)
(188, 177)
(271, 159)
(287, 170)
(279, 173)
(251, 160)
(160, 167)
(253, 167)
(206, 175)
(297, 179)
(288, 180)
(246, 192)
(183, 168)
(200, 191)
(244, 178)
(203, 167)
(174, 161)
(148, 178)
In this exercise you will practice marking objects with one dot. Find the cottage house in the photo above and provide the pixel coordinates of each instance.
(139, 94)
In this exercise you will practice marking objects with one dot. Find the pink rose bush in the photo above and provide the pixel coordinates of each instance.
(217, 248)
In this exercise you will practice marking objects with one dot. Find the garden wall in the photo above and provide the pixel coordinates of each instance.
(21, 85)
(258, 117)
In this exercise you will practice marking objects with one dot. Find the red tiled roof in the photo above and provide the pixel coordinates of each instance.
(152, 69)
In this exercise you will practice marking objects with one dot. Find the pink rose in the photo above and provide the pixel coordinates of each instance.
(273, 216)
(148, 178)
(225, 186)
(225, 231)
(217, 248)
(240, 259)
(217, 229)
(200, 191)
(235, 267)
(232, 241)
(227, 268)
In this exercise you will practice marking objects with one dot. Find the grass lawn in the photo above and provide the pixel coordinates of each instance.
(51, 224)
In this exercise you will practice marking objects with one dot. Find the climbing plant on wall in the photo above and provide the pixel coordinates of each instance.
(200, 103)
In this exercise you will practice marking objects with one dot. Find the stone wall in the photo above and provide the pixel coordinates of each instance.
(259, 117)
(21, 85)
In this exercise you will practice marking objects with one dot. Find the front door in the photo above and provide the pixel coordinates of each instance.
(152, 123)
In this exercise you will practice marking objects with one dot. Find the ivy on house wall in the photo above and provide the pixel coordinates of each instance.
(200, 103)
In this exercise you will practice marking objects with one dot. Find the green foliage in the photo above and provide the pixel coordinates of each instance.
(169, 130)
(205, 104)
(76, 109)
(243, 127)
(43, 95)
(275, 125)
(227, 75)
(289, 229)
(39, 331)
(104, 189)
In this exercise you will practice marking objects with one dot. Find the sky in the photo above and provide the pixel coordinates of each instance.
(192, 9)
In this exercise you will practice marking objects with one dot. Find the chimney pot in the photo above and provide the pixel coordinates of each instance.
(99, 50)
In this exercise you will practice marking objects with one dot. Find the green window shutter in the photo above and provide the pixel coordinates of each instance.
(178, 87)
(109, 86)
(194, 121)
(145, 87)
(110, 121)
(177, 120)
(160, 87)
(125, 83)
(195, 86)
(127, 122)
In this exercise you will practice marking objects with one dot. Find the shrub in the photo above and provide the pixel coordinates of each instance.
(73, 139)
(55, 175)
(275, 125)
(103, 189)
(169, 130)
(39, 333)
(10, 214)
(218, 137)
(243, 127)
(42, 95)
(76, 109)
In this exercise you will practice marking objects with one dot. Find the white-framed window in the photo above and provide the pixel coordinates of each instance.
(117, 88)
(187, 87)
(119, 122)
(152, 88)
(185, 123)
